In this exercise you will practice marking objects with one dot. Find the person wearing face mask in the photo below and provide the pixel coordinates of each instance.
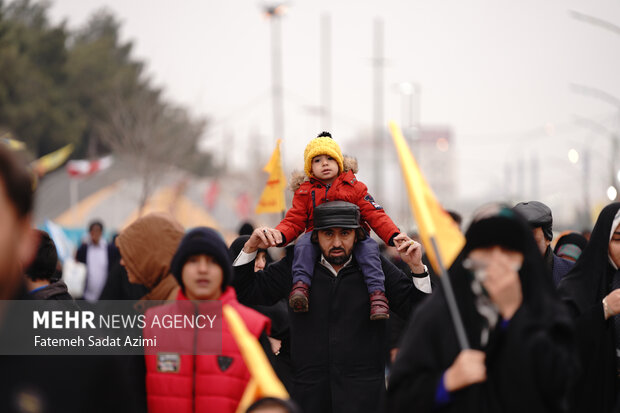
(592, 292)
(520, 334)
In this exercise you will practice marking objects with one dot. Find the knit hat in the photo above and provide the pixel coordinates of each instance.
(322, 145)
(44, 265)
(202, 240)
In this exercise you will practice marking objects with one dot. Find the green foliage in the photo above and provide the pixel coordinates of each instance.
(59, 87)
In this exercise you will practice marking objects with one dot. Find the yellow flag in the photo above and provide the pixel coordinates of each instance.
(272, 198)
(52, 160)
(13, 144)
(263, 381)
(433, 220)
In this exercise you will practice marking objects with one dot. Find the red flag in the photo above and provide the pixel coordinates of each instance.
(211, 195)
(243, 206)
(81, 168)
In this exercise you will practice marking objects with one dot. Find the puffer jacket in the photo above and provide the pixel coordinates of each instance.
(311, 192)
(187, 383)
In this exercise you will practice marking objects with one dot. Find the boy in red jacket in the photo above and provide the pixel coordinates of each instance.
(327, 178)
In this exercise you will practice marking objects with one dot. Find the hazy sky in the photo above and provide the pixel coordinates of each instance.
(496, 72)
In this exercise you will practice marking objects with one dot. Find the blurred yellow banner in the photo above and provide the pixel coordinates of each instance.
(272, 198)
(433, 221)
(263, 381)
(53, 160)
(13, 144)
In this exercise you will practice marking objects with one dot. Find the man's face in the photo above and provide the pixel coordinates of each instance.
(336, 244)
(16, 243)
(541, 241)
(95, 234)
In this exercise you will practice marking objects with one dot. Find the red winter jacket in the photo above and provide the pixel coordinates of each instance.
(347, 188)
(201, 383)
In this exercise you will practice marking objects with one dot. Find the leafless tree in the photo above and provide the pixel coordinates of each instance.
(151, 135)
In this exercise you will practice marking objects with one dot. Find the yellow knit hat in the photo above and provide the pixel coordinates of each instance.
(322, 145)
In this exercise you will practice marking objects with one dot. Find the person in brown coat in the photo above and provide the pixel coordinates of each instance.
(147, 247)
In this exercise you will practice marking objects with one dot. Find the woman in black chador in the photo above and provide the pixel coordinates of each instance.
(521, 357)
(592, 292)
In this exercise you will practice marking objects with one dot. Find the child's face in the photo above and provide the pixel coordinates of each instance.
(202, 278)
(325, 168)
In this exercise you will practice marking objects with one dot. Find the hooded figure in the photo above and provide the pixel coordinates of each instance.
(147, 247)
(525, 359)
(591, 281)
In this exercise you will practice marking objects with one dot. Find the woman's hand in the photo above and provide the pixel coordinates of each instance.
(467, 369)
(611, 304)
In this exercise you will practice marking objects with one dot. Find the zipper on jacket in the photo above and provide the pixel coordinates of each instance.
(194, 363)
(313, 200)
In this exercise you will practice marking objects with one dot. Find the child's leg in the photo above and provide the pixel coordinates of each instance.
(305, 256)
(367, 255)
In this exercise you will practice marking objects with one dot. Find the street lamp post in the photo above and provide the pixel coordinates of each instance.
(604, 96)
(274, 13)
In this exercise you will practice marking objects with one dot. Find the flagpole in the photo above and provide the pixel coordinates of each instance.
(451, 300)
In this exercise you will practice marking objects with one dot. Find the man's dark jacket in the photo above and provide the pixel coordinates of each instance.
(338, 354)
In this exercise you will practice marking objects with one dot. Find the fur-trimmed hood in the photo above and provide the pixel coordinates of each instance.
(299, 177)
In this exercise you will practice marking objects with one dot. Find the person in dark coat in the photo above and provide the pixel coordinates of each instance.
(279, 336)
(538, 215)
(41, 274)
(118, 287)
(338, 354)
(96, 255)
(592, 292)
(47, 384)
(570, 246)
(522, 351)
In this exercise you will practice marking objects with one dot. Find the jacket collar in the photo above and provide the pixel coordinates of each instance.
(345, 177)
(229, 295)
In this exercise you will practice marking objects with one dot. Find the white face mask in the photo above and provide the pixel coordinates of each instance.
(614, 225)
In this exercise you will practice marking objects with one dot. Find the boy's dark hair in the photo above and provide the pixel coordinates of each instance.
(44, 265)
(95, 223)
(324, 133)
(17, 181)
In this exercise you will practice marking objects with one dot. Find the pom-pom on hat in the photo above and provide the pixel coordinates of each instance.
(322, 145)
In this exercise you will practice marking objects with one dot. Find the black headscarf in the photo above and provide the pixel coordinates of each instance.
(583, 289)
(501, 226)
(588, 282)
(237, 245)
(527, 365)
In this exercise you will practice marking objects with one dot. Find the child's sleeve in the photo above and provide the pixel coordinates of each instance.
(375, 215)
(294, 223)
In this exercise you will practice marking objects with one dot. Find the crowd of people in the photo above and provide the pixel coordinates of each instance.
(345, 327)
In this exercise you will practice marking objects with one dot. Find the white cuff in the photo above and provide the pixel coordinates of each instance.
(244, 258)
(423, 284)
